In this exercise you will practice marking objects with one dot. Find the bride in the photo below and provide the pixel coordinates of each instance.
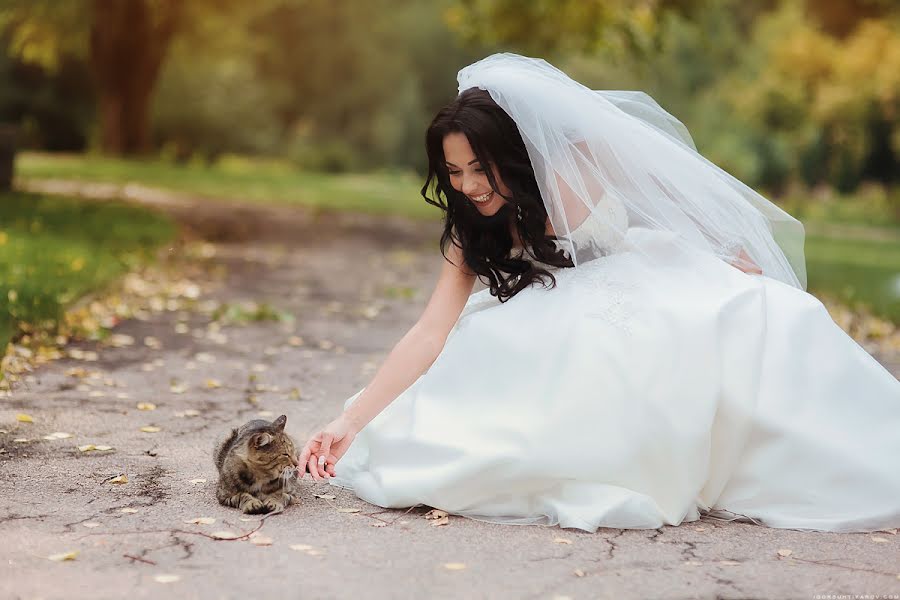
(644, 351)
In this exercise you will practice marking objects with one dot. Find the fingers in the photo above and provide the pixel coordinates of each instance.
(324, 450)
(313, 467)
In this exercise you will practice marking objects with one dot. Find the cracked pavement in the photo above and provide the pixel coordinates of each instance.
(354, 284)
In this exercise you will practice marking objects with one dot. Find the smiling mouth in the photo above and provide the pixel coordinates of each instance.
(482, 199)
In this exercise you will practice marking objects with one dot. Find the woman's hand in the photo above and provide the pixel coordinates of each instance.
(745, 264)
(325, 449)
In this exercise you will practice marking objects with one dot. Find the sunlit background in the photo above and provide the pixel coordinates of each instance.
(325, 103)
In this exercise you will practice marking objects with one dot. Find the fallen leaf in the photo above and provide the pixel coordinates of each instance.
(699, 528)
(300, 547)
(150, 429)
(63, 556)
(120, 340)
(21, 440)
(729, 563)
(265, 413)
(204, 357)
(103, 448)
(23, 418)
(90, 524)
(560, 540)
(201, 521)
(123, 395)
(146, 406)
(195, 481)
(879, 540)
(441, 522)
(694, 563)
(435, 514)
(192, 412)
(379, 524)
(454, 566)
(324, 496)
(166, 578)
(152, 342)
(128, 510)
(259, 539)
(314, 552)
(225, 535)
(579, 573)
(349, 510)
(294, 394)
(87, 448)
(213, 384)
(259, 368)
(178, 388)
(785, 552)
(118, 479)
(59, 435)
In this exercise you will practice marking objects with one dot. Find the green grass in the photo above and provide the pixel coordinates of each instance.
(244, 179)
(53, 250)
(856, 271)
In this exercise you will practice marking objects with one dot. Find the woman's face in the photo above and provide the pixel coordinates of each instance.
(467, 175)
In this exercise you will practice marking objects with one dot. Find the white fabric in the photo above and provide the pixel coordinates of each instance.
(585, 146)
(654, 383)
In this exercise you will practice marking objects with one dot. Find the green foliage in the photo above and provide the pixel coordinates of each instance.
(54, 250)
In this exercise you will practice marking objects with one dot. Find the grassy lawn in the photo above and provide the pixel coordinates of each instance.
(251, 180)
(856, 271)
(54, 250)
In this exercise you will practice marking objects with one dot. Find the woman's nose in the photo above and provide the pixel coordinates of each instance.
(470, 186)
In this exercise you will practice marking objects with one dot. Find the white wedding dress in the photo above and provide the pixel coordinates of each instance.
(652, 385)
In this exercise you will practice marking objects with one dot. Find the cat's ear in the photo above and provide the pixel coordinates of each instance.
(261, 439)
(278, 423)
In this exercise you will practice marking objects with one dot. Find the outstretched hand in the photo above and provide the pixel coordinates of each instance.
(325, 449)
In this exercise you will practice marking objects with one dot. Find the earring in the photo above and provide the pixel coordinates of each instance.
(519, 212)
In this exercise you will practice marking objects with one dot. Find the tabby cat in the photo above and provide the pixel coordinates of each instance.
(257, 466)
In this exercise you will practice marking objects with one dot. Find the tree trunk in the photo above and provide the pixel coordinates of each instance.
(128, 43)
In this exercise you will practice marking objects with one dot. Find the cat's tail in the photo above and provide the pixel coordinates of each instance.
(223, 448)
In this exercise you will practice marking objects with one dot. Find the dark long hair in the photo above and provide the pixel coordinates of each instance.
(486, 242)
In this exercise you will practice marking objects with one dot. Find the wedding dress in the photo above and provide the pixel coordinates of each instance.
(654, 384)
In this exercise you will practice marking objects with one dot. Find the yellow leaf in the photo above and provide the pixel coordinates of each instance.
(225, 535)
(119, 479)
(314, 552)
(23, 418)
(63, 556)
(128, 510)
(300, 547)
(166, 578)
(103, 448)
(454, 566)
(259, 539)
(785, 552)
(441, 522)
(213, 383)
(435, 514)
(146, 406)
(150, 429)
(579, 573)
(87, 448)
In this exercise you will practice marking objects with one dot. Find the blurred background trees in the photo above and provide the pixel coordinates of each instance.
(778, 92)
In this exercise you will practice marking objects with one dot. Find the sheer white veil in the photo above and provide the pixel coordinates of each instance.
(591, 150)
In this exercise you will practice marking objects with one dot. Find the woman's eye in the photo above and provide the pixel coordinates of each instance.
(454, 173)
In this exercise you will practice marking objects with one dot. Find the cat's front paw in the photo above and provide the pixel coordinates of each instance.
(252, 506)
(275, 505)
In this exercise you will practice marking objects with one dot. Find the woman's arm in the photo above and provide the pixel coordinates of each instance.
(411, 356)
